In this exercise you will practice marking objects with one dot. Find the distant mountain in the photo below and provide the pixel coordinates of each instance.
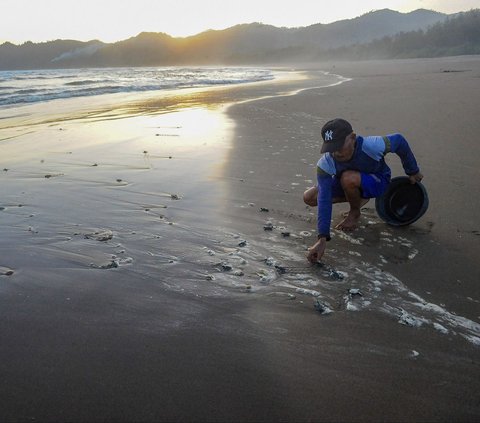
(51, 54)
(457, 35)
(368, 27)
(241, 44)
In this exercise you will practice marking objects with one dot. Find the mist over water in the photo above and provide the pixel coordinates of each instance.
(32, 86)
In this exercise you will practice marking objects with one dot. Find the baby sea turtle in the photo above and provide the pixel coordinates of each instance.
(269, 261)
(100, 235)
(226, 267)
(268, 226)
(5, 271)
(320, 307)
(335, 275)
(355, 292)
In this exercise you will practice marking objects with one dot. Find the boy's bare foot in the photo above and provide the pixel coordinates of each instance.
(350, 222)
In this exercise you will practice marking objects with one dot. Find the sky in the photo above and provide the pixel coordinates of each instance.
(114, 20)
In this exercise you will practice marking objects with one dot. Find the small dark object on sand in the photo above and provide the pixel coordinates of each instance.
(268, 226)
(281, 269)
(285, 234)
(320, 307)
(269, 261)
(113, 264)
(175, 197)
(335, 275)
(226, 267)
(353, 292)
(48, 176)
(100, 236)
(242, 243)
(264, 209)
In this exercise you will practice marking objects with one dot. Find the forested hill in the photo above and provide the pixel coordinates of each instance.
(458, 35)
(379, 34)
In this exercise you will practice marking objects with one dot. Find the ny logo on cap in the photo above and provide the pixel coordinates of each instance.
(329, 135)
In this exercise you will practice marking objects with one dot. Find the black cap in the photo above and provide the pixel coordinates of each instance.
(334, 133)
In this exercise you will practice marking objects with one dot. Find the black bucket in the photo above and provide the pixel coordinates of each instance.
(402, 203)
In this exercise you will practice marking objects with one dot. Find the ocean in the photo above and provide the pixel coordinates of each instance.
(32, 86)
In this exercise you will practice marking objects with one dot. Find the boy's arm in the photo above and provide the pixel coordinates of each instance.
(324, 201)
(324, 216)
(396, 143)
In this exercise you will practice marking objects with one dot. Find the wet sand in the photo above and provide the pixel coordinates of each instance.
(152, 259)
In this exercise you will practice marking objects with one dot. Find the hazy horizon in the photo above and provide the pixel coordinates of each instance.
(108, 21)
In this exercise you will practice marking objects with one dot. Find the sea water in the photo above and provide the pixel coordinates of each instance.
(31, 86)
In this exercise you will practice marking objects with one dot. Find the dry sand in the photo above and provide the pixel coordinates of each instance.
(137, 281)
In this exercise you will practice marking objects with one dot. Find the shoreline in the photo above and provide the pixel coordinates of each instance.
(137, 103)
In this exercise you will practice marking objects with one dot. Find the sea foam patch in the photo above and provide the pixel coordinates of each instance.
(222, 263)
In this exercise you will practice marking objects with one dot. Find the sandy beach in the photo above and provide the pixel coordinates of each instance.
(152, 257)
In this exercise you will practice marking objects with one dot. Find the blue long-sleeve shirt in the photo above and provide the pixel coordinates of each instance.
(368, 157)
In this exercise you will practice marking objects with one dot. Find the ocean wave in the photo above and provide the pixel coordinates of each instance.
(37, 86)
(29, 91)
(84, 82)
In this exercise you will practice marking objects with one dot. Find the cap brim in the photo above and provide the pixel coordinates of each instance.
(330, 147)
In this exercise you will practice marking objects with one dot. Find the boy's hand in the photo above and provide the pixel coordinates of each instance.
(415, 178)
(316, 251)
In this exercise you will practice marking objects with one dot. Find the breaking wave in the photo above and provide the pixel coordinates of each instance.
(21, 87)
